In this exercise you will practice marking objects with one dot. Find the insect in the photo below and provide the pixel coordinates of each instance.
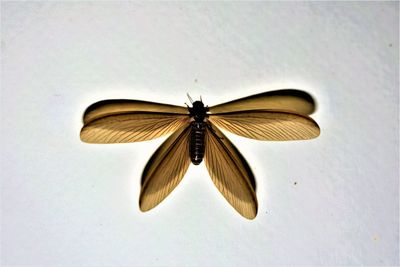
(275, 116)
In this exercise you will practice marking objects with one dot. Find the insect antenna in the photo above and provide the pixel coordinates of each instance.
(191, 100)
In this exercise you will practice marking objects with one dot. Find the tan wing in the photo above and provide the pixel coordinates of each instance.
(286, 99)
(121, 106)
(165, 169)
(273, 125)
(131, 127)
(230, 173)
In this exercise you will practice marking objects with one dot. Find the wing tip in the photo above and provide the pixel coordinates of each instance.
(85, 137)
(146, 205)
(250, 215)
(143, 208)
(250, 210)
(316, 130)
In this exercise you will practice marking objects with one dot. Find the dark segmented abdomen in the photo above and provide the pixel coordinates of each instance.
(196, 146)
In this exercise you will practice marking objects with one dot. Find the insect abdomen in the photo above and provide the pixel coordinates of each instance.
(196, 146)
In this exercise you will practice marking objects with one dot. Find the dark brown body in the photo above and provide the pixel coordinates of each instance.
(196, 146)
(197, 132)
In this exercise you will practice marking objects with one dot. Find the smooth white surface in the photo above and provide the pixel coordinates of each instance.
(73, 204)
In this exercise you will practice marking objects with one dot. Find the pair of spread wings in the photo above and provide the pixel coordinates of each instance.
(278, 115)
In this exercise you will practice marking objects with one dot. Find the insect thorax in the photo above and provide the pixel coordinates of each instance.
(198, 111)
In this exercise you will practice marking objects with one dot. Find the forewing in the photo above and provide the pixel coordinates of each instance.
(230, 173)
(131, 127)
(273, 125)
(165, 169)
(286, 99)
(122, 106)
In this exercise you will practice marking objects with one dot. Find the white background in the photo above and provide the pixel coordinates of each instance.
(67, 203)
